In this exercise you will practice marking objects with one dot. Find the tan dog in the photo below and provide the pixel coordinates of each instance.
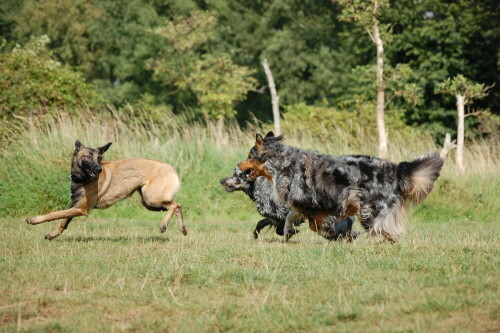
(99, 185)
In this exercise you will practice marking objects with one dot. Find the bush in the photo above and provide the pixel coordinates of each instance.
(31, 82)
(352, 128)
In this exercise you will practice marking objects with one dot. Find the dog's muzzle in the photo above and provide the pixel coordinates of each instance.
(227, 188)
(95, 171)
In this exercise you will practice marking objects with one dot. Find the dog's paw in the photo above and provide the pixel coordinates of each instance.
(184, 231)
(51, 236)
(30, 220)
(163, 228)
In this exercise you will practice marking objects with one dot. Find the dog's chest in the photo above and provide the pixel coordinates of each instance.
(267, 202)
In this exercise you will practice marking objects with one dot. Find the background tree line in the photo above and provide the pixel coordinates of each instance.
(204, 57)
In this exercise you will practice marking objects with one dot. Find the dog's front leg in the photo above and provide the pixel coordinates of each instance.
(289, 224)
(63, 226)
(261, 225)
(67, 213)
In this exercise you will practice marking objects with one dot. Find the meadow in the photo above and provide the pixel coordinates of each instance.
(114, 272)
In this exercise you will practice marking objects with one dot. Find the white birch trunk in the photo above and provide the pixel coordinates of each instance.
(448, 145)
(382, 135)
(459, 157)
(274, 98)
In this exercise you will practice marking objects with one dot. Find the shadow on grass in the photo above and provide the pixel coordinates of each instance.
(277, 241)
(117, 239)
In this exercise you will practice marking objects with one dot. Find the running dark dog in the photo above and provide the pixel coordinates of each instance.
(317, 186)
(261, 191)
(95, 184)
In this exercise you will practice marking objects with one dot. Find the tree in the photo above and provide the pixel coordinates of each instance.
(8, 11)
(67, 24)
(300, 39)
(123, 37)
(208, 82)
(366, 14)
(441, 39)
(464, 91)
(275, 99)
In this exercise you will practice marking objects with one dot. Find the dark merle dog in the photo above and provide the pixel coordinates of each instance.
(317, 186)
(261, 191)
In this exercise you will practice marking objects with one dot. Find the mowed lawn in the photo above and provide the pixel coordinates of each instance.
(119, 274)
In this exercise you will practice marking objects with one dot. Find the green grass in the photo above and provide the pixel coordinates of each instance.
(115, 274)
(113, 271)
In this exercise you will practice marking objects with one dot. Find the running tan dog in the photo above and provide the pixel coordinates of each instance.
(99, 185)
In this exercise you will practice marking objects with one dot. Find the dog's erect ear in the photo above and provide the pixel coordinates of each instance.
(259, 141)
(103, 149)
(269, 134)
(78, 145)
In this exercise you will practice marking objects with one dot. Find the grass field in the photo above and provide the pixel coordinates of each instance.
(114, 272)
(106, 275)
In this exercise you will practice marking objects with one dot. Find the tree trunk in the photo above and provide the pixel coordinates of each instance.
(459, 157)
(382, 136)
(447, 146)
(274, 98)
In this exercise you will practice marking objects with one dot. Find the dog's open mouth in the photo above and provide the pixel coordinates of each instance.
(94, 174)
(251, 173)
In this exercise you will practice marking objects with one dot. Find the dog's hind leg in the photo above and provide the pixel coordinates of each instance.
(388, 222)
(173, 208)
(59, 230)
(180, 223)
(391, 222)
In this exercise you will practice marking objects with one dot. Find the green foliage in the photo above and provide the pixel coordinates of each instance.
(122, 36)
(459, 85)
(33, 83)
(185, 67)
(315, 49)
(356, 124)
(8, 11)
(300, 39)
(401, 87)
(441, 39)
(488, 126)
(365, 13)
(67, 24)
(402, 82)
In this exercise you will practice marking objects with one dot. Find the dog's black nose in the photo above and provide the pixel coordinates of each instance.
(222, 181)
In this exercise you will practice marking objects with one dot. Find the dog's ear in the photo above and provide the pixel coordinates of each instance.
(269, 134)
(78, 145)
(259, 141)
(103, 149)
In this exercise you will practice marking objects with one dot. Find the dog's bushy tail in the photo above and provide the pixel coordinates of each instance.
(418, 176)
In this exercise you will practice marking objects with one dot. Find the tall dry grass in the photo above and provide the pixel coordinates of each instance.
(34, 173)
